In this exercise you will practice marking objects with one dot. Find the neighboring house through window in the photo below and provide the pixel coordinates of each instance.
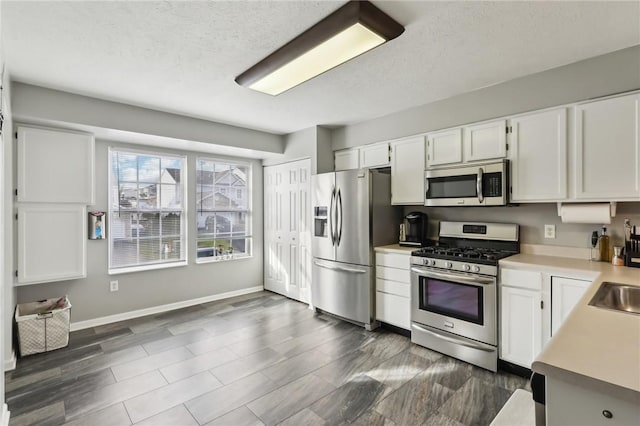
(223, 210)
(147, 212)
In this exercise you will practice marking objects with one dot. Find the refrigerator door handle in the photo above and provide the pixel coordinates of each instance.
(339, 202)
(331, 205)
(339, 268)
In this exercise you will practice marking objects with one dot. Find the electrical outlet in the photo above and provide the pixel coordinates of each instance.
(113, 286)
(549, 231)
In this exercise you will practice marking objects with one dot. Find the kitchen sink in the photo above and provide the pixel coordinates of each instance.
(619, 297)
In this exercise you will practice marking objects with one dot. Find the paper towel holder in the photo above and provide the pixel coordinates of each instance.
(612, 208)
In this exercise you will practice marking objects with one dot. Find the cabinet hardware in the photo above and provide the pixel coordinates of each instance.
(16, 272)
(16, 216)
(16, 192)
(542, 304)
(608, 414)
(507, 147)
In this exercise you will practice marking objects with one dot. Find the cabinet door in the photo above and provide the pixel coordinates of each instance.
(393, 309)
(444, 147)
(407, 171)
(51, 242)
(376, 155)
(565, 294)
(607, 163)
(347, 159)
(521, 325)
(485, 141)
(538, 156)
(55, 166)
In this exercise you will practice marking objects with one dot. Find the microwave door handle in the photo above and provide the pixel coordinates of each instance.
(479, 188)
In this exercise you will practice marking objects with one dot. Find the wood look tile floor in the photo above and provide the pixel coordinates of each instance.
(258, 359)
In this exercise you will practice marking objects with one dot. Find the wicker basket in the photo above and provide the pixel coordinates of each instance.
(42, 326)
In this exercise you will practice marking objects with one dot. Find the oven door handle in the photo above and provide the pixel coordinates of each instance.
(468, 279)
(454, 340)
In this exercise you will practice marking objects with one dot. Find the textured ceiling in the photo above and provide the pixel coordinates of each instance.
(183, 57)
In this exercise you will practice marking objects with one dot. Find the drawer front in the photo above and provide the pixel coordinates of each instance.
(522, 279)
(394, 260)
(393, 310)
(393, 274)
(393, 287)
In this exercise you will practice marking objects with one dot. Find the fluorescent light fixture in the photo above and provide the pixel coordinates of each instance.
(352, 30)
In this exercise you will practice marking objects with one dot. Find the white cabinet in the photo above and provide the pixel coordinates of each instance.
(521, 338)
(55, 166)
(533, 306)
(407, 171)
(485, 141)
(51, 242)
(538, 154)
(347, 159)
(393, 288)
(565, 294)
(287, 229)
(444, 147)
(520, 316)
(572, 404)
(375, 155)
(607, 160)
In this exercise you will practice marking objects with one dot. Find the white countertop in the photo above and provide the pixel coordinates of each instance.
(395, 248)
(595, 347)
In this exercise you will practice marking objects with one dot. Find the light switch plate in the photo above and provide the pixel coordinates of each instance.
(549, 231)
(113, 286)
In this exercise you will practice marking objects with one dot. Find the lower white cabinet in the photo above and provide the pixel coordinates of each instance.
(565, 294)
(533, 306)
(393, 288)
(52, 242)
(521, 335)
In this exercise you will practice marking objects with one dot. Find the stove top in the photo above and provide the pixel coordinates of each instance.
(484, 255)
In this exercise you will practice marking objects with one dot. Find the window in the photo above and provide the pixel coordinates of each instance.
(223, 209)
(146, 211)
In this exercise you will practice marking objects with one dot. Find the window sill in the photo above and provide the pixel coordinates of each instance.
(147, 267)
(213, 260)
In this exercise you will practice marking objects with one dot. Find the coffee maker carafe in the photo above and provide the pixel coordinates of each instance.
(413, 230)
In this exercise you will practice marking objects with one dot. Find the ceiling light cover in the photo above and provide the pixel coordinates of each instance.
(355, 28)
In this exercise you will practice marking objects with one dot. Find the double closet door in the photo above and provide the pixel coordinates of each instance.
(287, 229)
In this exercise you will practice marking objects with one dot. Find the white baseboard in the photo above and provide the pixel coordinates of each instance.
(159, 309)
(10, 364)
(5, 415)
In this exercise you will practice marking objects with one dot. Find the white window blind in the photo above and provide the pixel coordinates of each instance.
(147, 211)
(223, 209)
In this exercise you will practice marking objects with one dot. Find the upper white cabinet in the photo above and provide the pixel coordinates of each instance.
(51, 242)
(607, 160)
(55, 166)
(375, 155)
(538, 154)
(347, 159)
(485, 141)
(444, 147)
(407, 171)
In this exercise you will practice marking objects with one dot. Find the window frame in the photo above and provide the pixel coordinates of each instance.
(184, 212)
(249, 209)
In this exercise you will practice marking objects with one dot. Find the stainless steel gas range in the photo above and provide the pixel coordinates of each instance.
(454, 296)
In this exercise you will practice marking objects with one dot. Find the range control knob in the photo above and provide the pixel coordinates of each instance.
(476, 268)
(466, 267)
(426, 262)
(448, 265)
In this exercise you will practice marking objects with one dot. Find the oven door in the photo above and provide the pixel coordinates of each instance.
(477, 185)
(459, 303)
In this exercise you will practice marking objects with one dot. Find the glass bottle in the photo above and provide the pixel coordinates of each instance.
(603, 242)
(617, 259)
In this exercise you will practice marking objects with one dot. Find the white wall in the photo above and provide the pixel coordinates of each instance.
(595, 77)
(91, 298)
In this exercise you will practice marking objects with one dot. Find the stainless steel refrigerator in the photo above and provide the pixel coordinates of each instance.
(352, 213)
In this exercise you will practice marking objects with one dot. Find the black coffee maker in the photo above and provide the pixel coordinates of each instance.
(413, 230)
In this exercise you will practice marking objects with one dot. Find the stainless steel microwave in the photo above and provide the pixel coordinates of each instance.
(482, 184)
